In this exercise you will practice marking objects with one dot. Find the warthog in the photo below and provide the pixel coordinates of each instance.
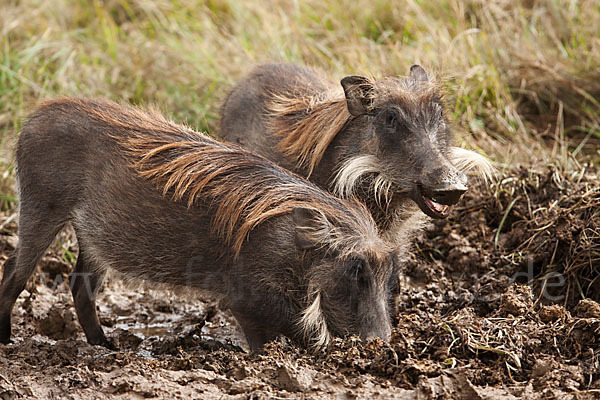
(386, 142)
(157, 201)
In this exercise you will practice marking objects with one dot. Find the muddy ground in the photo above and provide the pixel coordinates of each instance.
(499, 301)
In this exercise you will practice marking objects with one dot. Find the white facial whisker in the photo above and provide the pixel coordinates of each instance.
(467, 161)
(313, 324)
(353, 170)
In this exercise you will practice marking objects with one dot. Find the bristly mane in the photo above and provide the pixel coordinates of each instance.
(307, 125)
(245, 189)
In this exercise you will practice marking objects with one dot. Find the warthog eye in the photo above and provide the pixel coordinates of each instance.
(389, 119)
(438, 113)
(392, 283)
(357, 270)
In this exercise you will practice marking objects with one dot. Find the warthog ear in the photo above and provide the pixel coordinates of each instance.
(311, 227)
(357, 90)
(418, 73)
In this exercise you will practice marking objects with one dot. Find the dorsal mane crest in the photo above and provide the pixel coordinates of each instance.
(307, 125)
(243, 189)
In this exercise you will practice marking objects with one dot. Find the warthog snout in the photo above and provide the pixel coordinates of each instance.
(382, 329)
(440, 189)
(449, 195)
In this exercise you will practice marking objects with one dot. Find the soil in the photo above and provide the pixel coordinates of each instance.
(497, 302)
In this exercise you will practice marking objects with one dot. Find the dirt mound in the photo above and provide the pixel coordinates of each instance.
(499, 301)
(540, 228)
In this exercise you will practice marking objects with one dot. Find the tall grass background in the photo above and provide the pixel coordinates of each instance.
(522, 78)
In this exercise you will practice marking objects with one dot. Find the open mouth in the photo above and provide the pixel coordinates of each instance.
(430, 206)
(441, 210)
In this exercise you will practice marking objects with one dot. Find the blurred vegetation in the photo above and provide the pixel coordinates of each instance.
(522, 77)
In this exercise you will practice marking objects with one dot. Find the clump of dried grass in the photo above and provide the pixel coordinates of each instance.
(539, 226)
(550, 227)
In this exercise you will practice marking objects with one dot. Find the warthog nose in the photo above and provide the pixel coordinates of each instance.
(385, 336)
(383, 333)
(449, 195)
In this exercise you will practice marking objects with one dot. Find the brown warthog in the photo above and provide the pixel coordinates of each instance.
(387, 142)
(158, 201)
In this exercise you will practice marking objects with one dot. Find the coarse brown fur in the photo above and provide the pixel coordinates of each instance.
(325, 115)
(157, 201)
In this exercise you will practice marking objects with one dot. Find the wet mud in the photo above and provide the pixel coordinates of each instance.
(500, 301)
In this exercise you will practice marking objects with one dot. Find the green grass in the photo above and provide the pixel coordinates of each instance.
(522, 77)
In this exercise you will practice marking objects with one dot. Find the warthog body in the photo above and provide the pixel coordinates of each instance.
(387, 142)
(158, 201)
